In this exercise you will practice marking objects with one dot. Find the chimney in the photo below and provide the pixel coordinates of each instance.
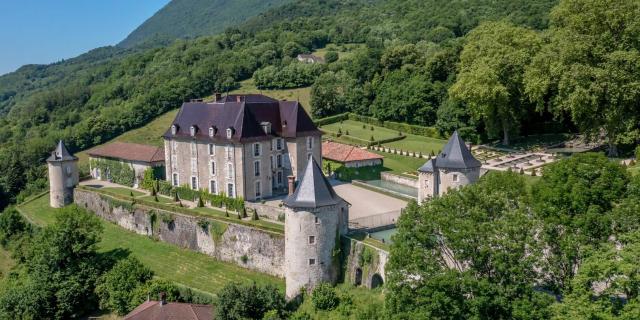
(292, 184)
(163, 298)
(217, 96)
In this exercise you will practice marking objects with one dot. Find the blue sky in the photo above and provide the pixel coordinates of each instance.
(45, 31)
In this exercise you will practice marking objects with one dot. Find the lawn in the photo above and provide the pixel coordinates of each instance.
(401, 164)
(182, 266)
(359, 130)
(161, 199)
(123, 191)
(635, 169)
(416, 143)
(300, 94)
(344, 50)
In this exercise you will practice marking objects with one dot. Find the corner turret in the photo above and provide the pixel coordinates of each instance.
(63, 176)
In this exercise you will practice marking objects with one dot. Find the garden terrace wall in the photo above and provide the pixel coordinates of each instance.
(403, 180)
(249, 247)
(371, 261)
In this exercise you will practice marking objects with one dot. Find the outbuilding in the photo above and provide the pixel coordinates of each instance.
(116, 161)
(350, 156)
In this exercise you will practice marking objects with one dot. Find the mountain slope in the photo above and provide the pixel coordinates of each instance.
(193, 18)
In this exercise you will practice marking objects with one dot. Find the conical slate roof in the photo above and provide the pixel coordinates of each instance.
(61, 153)
(454, 155)
(313, 191)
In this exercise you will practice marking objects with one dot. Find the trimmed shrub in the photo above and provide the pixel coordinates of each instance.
(324, 297)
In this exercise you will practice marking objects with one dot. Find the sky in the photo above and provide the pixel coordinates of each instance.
(46, 31)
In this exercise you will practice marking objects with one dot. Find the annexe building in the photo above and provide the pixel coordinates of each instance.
(240, 145)
(138, 157)
(349, 156)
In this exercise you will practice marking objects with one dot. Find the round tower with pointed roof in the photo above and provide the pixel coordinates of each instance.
(63, 176)
(315, 218)
(452, 168)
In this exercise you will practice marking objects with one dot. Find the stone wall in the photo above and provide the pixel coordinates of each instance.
(410, 182)
(364, 264)
(248, 247)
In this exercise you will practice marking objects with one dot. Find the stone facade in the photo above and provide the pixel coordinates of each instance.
(138, 167)
(364, 264)
(245, 246)
(312, 237)
(230, 168)
(63, 177)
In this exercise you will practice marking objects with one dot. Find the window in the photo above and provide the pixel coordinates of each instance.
(212, 149)
(272, 163)
(68, 169)
(278, 144)
(317, 220)
(258, 189)
(212, 131)
(174, 129)
(266, 127)
(193, 130)
(279, 160)
(279, 178)
(256, 168)
(213, 187)
(194, 183)
(312, 262)
(228, 150)
(312, 239)
(213, 168)
(309, 143)
(257, 150)
(455, 177)
(230, 190)
(230, 173)
(175, 180)
(229, 133)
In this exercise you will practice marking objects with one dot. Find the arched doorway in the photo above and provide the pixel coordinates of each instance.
(376, 281)
(358, 280)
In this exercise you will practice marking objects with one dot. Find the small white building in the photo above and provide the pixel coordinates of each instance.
(139, 157)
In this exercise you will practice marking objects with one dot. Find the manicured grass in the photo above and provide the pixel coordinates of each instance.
(161, 199)
(344, 50)
(182, 266)
(355, 129)
(297, 94)
(150, 134)
(635, 169)
(124, 191)
(401, 164)
(220, 213)
(416, 143)
(360, 296)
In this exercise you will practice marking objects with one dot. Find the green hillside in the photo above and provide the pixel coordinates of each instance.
(194, 18)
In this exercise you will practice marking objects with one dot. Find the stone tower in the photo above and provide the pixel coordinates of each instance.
(63, 176)
(315, 217)
(454, 167)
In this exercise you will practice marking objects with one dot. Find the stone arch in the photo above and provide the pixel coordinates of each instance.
(358, 278)
(376, 281)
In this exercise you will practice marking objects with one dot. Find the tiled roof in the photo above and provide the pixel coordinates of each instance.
(454, 155)
(345, 153)
(313, 191)
(170, 311)
(244, 114)
(61, 153)
(128, 151)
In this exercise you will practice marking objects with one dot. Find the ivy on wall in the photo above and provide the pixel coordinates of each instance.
(115, 171)
(186, 193)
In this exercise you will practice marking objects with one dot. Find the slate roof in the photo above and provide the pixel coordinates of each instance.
(313, 191)
(170, 311)
(346, 153)
(60, 153)
(244, 114)
(454, 155)
(128, 151)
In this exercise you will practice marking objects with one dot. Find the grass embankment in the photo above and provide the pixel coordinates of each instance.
(635, 169)
(359, 130)
(150, 134)
(186, 267)
(303, 95)
(361, 298)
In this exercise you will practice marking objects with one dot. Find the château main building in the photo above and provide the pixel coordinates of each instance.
(240, 145)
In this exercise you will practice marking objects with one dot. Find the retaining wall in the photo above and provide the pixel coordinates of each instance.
(388, 176)
(364, 264)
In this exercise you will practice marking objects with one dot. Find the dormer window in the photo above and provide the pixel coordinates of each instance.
(193, 130)
(174, 129)
(229, 132)
(266, 127)
(212, 131)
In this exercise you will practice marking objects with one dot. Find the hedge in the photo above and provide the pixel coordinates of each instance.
(397, 126)
(216, 200)
(332, 119)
